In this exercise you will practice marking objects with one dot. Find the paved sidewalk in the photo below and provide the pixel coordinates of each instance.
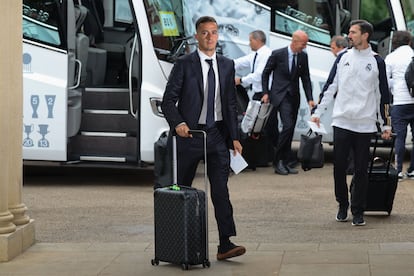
(119, 259)
(100, 223)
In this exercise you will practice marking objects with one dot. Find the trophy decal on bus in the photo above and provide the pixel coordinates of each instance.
(34, 102)
(43, 142)
(27, 63)
(28, 142)
(301, 123)
(50, 101)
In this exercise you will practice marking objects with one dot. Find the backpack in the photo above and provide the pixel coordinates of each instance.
(409, 77)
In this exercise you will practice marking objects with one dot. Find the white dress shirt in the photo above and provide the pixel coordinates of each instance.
(397, 63)
(217, 102)
(255, 76)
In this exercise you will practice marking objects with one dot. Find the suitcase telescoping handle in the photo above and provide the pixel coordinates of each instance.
(174, 164)
(174, 161)
(376, 145)
(204, 134)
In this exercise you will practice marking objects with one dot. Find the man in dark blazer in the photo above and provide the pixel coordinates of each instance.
(201, 94)
(287, 64)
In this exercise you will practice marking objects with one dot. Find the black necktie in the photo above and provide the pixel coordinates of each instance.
(254, 61)
(293, 68)
(211, 87)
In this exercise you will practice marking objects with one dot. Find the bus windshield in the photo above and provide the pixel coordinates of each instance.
(165, 19)
(408, 7)
(316, 18)
(40, 22)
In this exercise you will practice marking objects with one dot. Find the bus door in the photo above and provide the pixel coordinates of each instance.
(108, 123)
(49, 67)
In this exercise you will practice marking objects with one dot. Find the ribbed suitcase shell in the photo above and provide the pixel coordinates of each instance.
(180, 226)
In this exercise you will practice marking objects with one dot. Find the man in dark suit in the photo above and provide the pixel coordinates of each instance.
(287, 64)
(201, 94)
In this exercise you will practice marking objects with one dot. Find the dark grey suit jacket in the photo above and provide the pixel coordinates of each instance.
(185, 87)
(283, 81)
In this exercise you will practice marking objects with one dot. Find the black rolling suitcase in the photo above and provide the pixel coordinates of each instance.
(257, 150)
(180, 218)
(383, 179)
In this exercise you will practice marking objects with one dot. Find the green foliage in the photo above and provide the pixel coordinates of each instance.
(374, 11)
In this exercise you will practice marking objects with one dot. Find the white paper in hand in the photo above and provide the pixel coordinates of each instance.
(321, 129)
(237, 162)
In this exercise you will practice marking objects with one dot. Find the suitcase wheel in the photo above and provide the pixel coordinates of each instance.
(184, 266)
(206, 263)
(155, 262)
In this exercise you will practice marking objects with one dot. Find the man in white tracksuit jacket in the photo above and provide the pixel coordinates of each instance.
(358, 78)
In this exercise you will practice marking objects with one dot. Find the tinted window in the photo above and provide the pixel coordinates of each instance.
(123, 12)
(314, 17)
(408, 8)
(165, 20)
(40, 21)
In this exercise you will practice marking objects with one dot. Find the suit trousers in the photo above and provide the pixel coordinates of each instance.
(288, 111)
(402, 116)
(189, 153)
(359, 143)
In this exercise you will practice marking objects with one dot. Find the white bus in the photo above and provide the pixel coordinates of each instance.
(94, 71)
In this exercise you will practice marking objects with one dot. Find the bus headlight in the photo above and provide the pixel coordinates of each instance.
(156, 106)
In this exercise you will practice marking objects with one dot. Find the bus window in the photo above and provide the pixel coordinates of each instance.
(408, 7)
(377, 13)
(123, 12)
(40, 21)
(165, 20)
(314, 17)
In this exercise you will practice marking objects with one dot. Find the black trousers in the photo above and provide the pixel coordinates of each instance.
(359, 143)
(189, 153)
(288, 111)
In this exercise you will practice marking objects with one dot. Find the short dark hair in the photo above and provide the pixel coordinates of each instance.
(204, 19)
(259, 35)
(365, 27)
(400, 38)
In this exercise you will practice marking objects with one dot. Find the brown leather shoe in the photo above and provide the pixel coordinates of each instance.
(229, 251)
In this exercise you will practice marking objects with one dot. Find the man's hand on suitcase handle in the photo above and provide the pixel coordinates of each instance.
(386, 134)
(183, 130)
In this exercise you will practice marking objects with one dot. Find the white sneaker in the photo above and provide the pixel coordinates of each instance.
(401, 175)
(410, 174)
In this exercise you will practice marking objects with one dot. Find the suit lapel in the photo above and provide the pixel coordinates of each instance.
(196, 63)
(287, 61)
(220, 69)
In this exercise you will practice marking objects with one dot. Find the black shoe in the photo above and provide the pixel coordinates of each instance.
(358, 220)
(291, 170)
(342, 214)
(229, 250)
(281, 169)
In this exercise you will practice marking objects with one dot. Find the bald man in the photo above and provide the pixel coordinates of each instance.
(287, 64)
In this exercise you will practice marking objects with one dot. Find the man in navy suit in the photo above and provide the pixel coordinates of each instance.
(201, 94)
(287, 64)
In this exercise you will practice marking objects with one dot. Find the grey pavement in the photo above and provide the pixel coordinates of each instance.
(94, 222)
